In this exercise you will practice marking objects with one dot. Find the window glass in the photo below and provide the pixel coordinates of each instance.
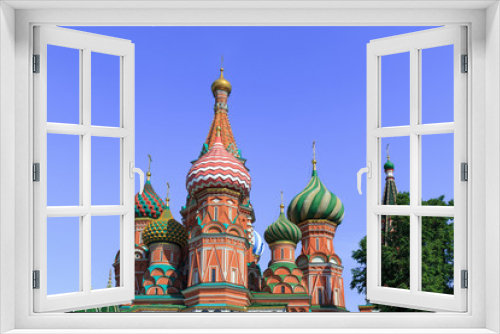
(105, 239)
(63, 255)
(63, 170)
(437, 84)
(395, 95)
(105, 90)
(437, 168)
(63, 85)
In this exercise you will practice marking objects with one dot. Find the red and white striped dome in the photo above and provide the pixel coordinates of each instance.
(218, 169)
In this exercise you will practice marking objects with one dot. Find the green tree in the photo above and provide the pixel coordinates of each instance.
(437, 254)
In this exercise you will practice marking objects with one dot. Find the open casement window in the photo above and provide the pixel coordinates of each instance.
(416, 124)
(74, 142)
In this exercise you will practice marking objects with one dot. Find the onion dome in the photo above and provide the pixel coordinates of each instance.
(316, 202)
(221, 84)
(218, 169)
(148, 204)
(388, 164)
(258, 244)
(165, 229)
(282, 230)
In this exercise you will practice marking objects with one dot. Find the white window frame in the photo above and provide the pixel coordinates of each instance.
(16, 20)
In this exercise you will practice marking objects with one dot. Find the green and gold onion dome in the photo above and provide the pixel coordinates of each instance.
(221, 84)
(316, 202)
(282, 230)
(165, 229)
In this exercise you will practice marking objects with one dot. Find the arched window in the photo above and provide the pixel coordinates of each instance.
(195, 276)
(282, 253)
(317, 243)
(282, 289)
(320, 297)
(215, 212)
(213, 275)
(234, 278)
(230, 214)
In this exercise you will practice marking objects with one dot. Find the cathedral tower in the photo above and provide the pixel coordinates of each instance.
(318, 212)
(218, 217)
(283, 277)
(148, 206)
(389, 197)
(166, 239)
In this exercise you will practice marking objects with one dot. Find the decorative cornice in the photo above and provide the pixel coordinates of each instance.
(317, 222)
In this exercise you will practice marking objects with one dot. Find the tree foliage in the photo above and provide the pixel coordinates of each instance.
(437, 254)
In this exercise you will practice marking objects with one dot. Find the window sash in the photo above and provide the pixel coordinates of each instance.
(412, 43)
(86, 43)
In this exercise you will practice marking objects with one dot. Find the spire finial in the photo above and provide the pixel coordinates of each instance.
(314, 155)
(282, 206)
(148, 174)
(110, 283)
(221, 66)
(387, 151)
(168, 195)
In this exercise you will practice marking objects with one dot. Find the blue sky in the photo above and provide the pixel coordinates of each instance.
(291, 85)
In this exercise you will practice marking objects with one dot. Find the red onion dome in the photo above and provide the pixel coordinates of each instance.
(148, 204)
(218, 169)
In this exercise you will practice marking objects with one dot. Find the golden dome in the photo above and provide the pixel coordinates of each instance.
(221, 84)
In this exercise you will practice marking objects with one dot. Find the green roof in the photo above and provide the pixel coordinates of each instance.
(282, 230)
(315, 202)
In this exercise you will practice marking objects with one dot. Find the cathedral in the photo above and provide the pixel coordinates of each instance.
(209, 262)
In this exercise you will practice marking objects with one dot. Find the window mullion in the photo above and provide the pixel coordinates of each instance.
(85, 174)
(415, 168)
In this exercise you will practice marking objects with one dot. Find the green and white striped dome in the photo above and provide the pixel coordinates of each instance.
(316, 202)
(282, 230)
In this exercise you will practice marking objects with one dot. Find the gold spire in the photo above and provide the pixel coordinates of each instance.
(110, 283)
(221, 83)
(314, 155)
(387, 151)
(282, 206)
(168, 195)
(148, 174)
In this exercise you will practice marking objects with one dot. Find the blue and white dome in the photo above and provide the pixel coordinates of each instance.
(258, 244)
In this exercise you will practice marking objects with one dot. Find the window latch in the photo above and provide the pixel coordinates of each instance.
(139, 171)
(368, 171)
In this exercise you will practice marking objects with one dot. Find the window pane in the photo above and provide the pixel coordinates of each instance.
(105, 245)
(105, 171)
(395, 170)
(63, 170)
(63, 85)
(395, 232)
(437, 254)
(395, 89)
(105, 90)
(63, 255)
(437, 84)
(437, 168)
